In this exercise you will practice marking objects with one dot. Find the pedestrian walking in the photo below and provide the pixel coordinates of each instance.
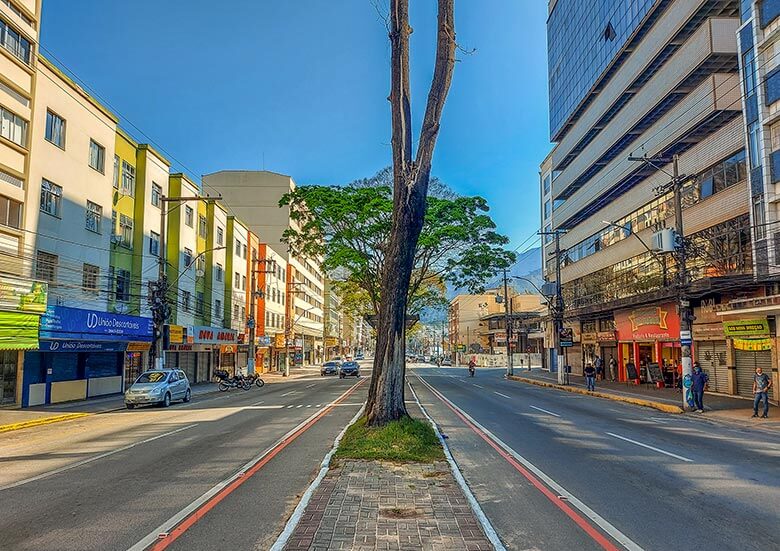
(699, 382)
(598, 363)
(590, 377)
(761, 385)
(612, 368)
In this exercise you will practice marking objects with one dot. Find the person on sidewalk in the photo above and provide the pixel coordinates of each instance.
(700, 380)
(590, 377)
(598, 363)
(761, 385)
(612, 368)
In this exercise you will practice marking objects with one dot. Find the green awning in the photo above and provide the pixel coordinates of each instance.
(19, 331)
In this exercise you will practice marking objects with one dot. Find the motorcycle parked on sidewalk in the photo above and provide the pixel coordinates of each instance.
(255, 378)
(227, 382)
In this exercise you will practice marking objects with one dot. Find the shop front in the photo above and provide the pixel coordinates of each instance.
(710, 347)
(203, 350)
(752, 342)
(84, 354)
(21, 306)
(648, 344)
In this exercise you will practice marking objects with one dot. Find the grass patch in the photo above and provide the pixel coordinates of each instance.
(405, 440)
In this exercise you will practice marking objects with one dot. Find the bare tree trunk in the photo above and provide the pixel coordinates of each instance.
(410, 188)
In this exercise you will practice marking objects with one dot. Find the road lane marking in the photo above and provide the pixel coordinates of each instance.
(258, 403)
(91, 459)
(526, 468)
(288, 393)
(475, 384)
(311, 385)
(504, 395)
(263, 407)
(318, 405)
(290, 406)
(182, 521)
(649, 447)
(545, 411)
(299, 406)
(308, 406)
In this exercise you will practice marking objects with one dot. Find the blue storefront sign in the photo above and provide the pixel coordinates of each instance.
(82, 346)
(77, 324)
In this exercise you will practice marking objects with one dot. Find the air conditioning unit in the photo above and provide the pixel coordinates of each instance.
(200, 273)
(664, 241)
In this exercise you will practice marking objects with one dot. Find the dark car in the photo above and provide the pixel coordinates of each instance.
(349, 368)
(330, 368)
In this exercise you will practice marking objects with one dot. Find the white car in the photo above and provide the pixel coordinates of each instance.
(158, 387)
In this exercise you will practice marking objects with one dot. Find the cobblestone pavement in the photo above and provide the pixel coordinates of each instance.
(364, 505)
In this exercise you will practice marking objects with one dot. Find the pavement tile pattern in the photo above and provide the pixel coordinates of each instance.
(370, 505)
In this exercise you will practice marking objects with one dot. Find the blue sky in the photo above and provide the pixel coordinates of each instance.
(303, 84)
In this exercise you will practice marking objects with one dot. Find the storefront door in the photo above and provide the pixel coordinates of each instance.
(134, 366)
(711, 355)
(746, 362)
(187, 364)
(8, 368)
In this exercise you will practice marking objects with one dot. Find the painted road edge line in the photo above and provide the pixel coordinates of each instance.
(544, 411)
(42, 421)
(649, 447)
(91, 459)
(191, 509)
(295, 518)
(601, 522)
(487, 527)
(666, 408)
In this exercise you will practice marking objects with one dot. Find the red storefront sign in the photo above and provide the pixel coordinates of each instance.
(649, 323)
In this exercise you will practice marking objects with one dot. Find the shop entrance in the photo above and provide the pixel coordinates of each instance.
(628, 370)
(671, 357)
(8, 367)
(134, 366)
(746, 363)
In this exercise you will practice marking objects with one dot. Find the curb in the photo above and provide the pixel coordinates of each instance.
(42, 421)
(487, 527)
(666, 408)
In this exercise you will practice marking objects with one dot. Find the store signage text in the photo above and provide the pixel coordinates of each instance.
(746, 328)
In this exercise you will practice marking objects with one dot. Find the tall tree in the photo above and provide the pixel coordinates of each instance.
(411, 176)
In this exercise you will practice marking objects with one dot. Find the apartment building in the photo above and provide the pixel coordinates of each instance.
(333, 324)
(254, 197)
(660, 79)
(465, 328)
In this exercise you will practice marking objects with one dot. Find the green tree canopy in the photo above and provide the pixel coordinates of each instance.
(348, 227)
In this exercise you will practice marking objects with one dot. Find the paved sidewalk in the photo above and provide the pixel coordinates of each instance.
(369, 505)
(718, 406)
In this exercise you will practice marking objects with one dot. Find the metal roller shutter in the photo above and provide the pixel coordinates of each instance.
(747, 362)
(187, 364)
(712, 357)
(204, 366)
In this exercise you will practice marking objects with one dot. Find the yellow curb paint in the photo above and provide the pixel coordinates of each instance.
(41, 421)
(667, 408)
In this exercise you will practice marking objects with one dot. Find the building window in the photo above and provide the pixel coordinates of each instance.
(187, 257)
(268, 318)
(754, 132)
(10, 212)
(547, 184)
(186, 298)
(243, 283)
(13, 127)
(235, 312)
(97, 156)
(219, 271)
(55, 129)
(220, 236)
(90, 278)
(14, 42)
(237, 281)
(243, 313)
(203, 227)
(154, 244)
(243, 252)
(217, 309)
(116, 171)
(126, 231)
(237, 252)
(759, 217)
(46, 267)
(200, 265)
(51, 198)
(199, 305)
(128, 179)
(94, 216)
(188, 216)
(156, 194)
(547, 209)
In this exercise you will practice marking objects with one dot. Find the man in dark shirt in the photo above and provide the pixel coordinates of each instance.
(761, 385)
(590, 377)
(699, 381)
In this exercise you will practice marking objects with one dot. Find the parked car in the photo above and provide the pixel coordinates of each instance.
(158, 387)
(359, 357)
(348, 369)
(330, 368)
(447, 362)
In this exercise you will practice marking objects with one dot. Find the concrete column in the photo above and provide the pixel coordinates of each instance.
(731, 364)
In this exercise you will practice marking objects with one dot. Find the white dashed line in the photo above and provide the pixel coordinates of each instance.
(545, 411)
(504, 395)
(649, 447)
(288, 393)
(299, 406)
(478, 386)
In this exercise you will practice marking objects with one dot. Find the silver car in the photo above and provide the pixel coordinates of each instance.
(158, 387)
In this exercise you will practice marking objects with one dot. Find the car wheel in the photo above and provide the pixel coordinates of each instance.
(187, 396)
(129, 406)
(167, 400)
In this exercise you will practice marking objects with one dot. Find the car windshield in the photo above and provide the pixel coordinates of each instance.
(350, 364)
(331, 364)
(152, 377)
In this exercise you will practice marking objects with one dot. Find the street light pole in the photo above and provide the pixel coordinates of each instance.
(508, 324)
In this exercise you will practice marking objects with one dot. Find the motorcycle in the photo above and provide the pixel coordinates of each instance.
(255, 378)
(471, 370)
(227, 382)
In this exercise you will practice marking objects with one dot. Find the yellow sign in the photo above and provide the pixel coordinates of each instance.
(138, 346)
(746, 328)
(175, 334)
(279, 340)
(754, 345)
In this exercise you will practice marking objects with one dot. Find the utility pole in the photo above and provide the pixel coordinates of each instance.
(508, 324)
(559, 311)
(683, 302)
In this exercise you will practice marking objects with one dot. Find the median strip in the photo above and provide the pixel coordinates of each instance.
(660, 406)
(42, 421)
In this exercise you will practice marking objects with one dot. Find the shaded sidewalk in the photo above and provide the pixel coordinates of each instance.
(717, 406)
(367, 505)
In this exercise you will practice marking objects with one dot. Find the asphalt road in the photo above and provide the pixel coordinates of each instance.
(575, 472)
(113, 481)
